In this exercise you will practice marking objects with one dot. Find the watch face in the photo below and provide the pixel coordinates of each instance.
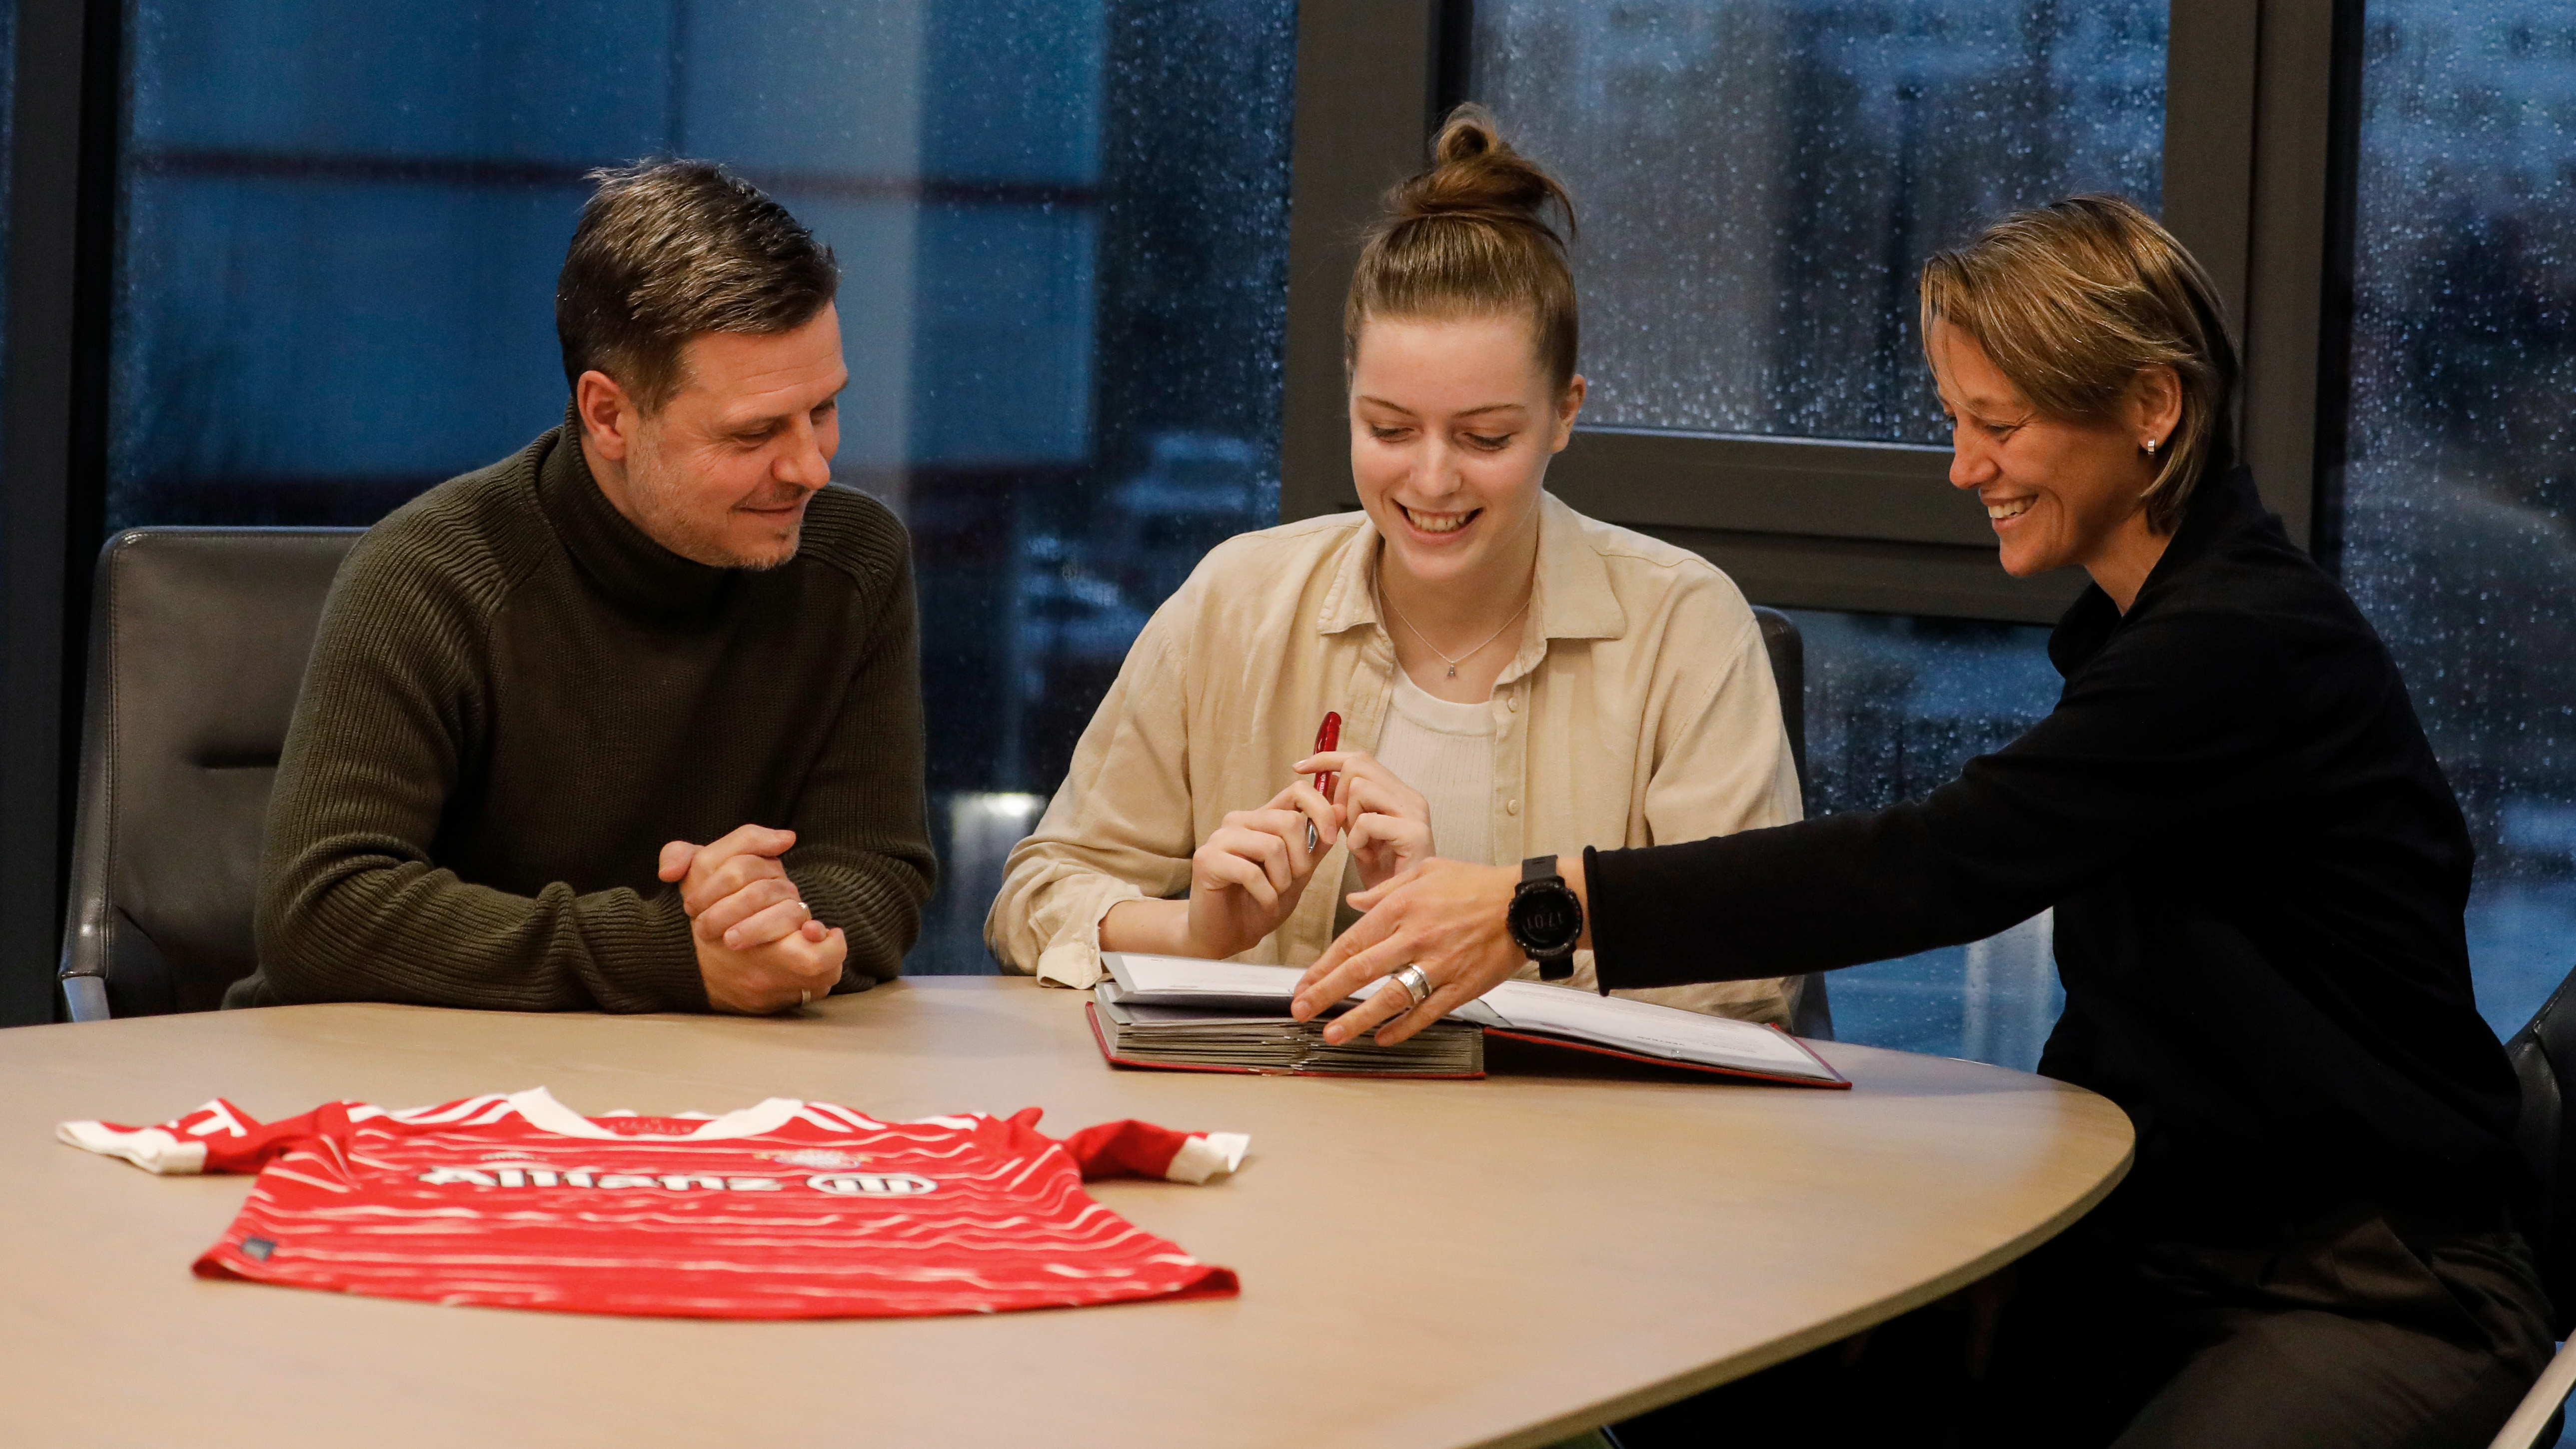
(1546, 921)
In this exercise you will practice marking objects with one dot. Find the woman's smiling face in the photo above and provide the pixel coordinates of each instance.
(2058, 492)
(1453, 421)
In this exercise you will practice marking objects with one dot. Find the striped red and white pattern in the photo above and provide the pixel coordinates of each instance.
(784, 1210)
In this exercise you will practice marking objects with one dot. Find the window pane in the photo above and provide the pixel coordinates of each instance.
(2461, 468)
(1062, 226)
(1039, 566)
(1759, 180)
(1895, 706)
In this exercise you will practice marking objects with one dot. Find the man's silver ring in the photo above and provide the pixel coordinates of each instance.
(1415, 984)
(804, 998)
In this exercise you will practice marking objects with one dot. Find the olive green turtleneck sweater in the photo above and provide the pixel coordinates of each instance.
(517, 696)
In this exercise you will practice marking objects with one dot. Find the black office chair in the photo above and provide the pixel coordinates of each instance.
(1815, 1014)
(2544, 1057)
(198, 638)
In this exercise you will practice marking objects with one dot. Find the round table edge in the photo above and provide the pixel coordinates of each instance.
(1781, 1350)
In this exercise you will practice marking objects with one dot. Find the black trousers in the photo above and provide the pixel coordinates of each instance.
(2351, 1330)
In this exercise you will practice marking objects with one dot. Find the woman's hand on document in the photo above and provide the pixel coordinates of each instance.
(1247, 877)
(1442, 916)
(1387, 820)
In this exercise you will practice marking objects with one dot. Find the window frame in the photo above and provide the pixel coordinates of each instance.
(62, 220)
(2259, 99)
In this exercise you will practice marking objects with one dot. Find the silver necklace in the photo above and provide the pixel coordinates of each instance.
(1434, 648)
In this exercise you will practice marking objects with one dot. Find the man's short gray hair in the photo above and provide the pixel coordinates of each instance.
(665, 252)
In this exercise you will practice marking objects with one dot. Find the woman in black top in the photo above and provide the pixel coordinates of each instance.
(2258, 872)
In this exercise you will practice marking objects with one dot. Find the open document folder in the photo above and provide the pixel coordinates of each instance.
(1177, 1011)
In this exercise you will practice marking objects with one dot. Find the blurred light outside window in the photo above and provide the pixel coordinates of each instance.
(2459, 489)
(1758, 181)
(1062, 227)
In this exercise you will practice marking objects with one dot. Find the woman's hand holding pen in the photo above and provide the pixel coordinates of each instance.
(1247, 877)
(1388, 821)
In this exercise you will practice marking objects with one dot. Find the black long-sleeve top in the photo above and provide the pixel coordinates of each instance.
(2258, 872)
(517, 695)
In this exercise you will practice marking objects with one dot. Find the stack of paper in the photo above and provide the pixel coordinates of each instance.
(1179, 1011)
(1187, 1036)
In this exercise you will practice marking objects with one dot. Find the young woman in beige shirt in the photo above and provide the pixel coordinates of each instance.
(1514, 679)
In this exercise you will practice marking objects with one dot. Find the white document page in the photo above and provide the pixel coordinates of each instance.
(1642, 1027)
(1210, 985)
(1181, 980)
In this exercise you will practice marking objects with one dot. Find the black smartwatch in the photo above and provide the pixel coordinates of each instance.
(1546, 918)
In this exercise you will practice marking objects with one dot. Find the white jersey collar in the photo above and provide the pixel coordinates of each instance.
(540, 1109)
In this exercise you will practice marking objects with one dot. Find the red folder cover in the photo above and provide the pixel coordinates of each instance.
(1091, 1014)
(1840, 1083)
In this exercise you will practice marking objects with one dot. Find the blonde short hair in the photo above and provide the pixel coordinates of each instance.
(2072, 301)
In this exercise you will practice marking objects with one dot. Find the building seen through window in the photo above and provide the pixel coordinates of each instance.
(2459, 491)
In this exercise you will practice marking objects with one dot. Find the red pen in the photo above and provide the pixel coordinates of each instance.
(1327, 737)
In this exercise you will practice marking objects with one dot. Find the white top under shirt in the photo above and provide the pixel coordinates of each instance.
(1445, 751)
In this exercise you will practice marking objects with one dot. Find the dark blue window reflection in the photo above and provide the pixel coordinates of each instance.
(2460, 486)
(1062, 227)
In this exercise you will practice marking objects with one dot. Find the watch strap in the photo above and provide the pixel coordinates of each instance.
(1541, 870)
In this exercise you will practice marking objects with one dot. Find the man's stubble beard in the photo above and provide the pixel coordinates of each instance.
(658, 494)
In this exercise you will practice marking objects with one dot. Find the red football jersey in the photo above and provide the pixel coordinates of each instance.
(784, 1210)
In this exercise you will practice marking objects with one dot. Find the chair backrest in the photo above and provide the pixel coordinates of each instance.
(198, 639)
(2543, 1054)
(1788, 653)
(1780, 639)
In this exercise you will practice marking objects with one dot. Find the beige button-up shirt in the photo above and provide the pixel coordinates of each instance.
(1638, 710)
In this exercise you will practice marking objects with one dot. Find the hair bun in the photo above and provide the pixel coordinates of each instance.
(1476, 173)
(1470, 235)
(1469, 132)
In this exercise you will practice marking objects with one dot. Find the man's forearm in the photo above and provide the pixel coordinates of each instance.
(405, 932)
(875, 899)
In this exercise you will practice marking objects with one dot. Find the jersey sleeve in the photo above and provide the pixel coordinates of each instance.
(1133, 1149)
(217, 1137)
(1141, 1149)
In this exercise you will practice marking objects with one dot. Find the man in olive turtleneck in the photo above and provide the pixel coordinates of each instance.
(630, 721)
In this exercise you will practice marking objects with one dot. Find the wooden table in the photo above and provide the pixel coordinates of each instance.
(1424, 1263)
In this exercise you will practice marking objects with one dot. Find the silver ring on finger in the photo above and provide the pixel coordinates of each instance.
(1415, 984)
